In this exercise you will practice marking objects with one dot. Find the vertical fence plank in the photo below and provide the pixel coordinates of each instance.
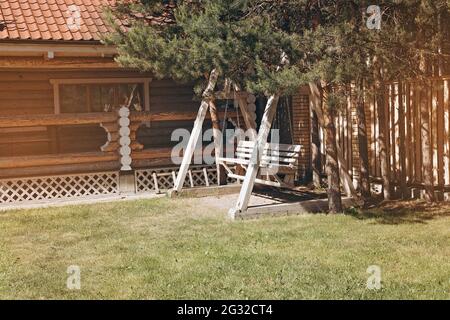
(372, 142)
(408, 131)
(440, 126)
(377, 141)
(447, 131)
(418, 138)
(394, 132)
(387, 127)
(347, 135)
(411, 131)
(434, 130)
(353, 140)
(401, 148)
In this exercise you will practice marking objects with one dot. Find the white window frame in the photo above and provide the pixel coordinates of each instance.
(57, 82)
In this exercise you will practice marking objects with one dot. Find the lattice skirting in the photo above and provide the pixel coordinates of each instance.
(58, 187)
(159, 180)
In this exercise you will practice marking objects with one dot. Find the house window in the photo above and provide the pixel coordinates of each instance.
(100, 95)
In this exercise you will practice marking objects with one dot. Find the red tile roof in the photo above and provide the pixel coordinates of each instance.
(68, 20)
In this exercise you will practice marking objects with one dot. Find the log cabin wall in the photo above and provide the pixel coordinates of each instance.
(31, 93)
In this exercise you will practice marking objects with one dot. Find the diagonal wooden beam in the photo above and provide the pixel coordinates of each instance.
(253, 168)
(208, 96)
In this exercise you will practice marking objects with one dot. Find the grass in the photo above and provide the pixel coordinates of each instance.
(163, 249)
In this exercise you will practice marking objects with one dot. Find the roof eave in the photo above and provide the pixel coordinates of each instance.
(57, 48)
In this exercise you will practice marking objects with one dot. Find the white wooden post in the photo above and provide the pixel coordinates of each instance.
(253, 168)
(196, 133)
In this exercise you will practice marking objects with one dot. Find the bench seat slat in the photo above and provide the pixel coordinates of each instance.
(271, 153)
(280, 147)
(276, 159)
(264, 164)
(267, 158)
(235, 161)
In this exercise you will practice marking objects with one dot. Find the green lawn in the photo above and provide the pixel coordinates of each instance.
(170, 249)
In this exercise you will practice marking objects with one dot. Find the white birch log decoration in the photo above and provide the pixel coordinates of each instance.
(125, 140)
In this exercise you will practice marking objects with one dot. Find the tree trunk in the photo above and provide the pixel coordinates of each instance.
(380, 91)
(218, 143)
(363, 144)
(317, 97)
(332, 164)
(315, 151)
(427, 152)
(425, 129)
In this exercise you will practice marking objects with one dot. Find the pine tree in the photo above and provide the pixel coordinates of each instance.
(233, 41)
(238, 38)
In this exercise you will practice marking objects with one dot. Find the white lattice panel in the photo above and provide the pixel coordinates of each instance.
(58, 187)
(155, 180)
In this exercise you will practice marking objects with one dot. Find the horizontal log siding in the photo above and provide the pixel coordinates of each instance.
(26, 93)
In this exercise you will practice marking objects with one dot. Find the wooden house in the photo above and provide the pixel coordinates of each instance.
(59, 94)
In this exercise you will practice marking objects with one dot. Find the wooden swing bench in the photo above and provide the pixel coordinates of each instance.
(277, 160)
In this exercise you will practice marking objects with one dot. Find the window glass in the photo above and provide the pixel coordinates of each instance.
(132, 95)
(102, 98)
(73, 98)
(82, 98)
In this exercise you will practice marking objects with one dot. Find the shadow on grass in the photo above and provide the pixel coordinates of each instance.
(402, 212)
(287, 195)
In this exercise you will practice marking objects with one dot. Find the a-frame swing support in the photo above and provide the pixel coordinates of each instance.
(261, 140)
(253, 168)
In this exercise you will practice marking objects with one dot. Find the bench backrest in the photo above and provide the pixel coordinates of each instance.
(274, 154)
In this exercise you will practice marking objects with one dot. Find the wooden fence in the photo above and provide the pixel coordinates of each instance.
(404, 124)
